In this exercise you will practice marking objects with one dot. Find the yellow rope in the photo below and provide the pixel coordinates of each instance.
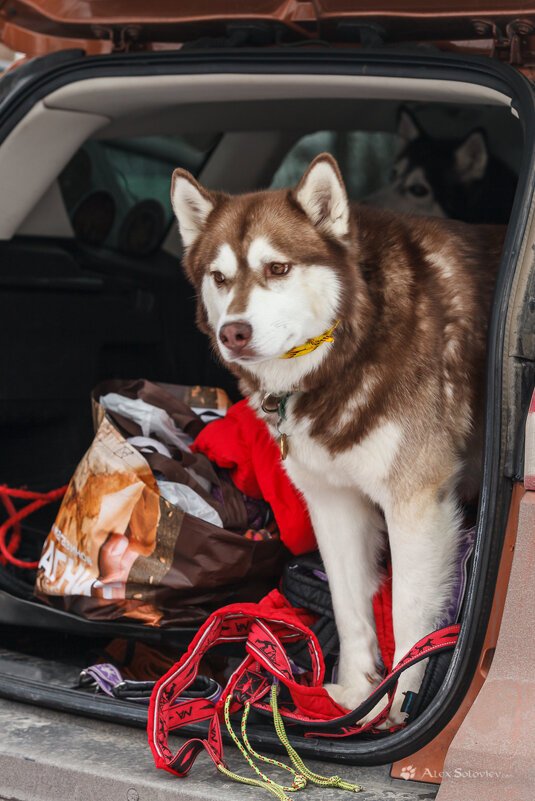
(265, 782)
(298, 783)
(315, 778)
(300, 771)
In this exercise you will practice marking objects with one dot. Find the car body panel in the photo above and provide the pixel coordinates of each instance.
(492, 754)
(427, 764)
(36, 27)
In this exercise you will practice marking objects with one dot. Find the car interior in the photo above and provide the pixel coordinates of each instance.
(90, 255)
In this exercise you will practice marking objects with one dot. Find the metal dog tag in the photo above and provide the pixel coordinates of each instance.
(284, 446)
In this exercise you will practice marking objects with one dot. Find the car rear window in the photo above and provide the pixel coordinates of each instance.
(116, 191)
(365, 159)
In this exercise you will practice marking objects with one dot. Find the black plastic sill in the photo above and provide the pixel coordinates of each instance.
(40, 77)
(129, 713)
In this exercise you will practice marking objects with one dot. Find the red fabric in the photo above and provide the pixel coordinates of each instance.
(382, 610)
(274, 606)
(242, 443)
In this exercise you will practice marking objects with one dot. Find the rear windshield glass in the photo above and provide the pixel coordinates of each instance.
(365, 159)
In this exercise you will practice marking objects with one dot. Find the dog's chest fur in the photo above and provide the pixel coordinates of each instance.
(366, 465)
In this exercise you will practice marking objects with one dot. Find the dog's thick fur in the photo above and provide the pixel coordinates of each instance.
(385, 420)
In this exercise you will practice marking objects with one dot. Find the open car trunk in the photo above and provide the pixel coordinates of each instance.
(93, 290)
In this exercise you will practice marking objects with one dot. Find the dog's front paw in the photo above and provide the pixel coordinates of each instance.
(352, 696)
(408, 684)
(395, 715)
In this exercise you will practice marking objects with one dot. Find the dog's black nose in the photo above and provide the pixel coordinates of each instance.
(235, 336)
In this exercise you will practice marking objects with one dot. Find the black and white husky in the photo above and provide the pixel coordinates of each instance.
(456, 178)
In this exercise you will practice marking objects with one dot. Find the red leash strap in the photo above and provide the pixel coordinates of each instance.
(38, 499)
(308, 699)
(14, 541)
(167, 711)
(264, 627)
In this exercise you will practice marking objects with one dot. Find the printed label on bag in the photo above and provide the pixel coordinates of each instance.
(108, 518)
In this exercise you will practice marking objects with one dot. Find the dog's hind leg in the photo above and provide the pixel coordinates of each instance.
(349, 531)
(423, 533)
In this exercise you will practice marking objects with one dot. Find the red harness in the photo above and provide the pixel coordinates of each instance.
(264, 627)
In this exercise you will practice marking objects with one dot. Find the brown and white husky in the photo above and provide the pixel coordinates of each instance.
(380, 416)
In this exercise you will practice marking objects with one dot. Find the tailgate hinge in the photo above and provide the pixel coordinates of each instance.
(513, 46)
(517, 32)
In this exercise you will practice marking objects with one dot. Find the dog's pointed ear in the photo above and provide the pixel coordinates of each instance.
(322, 196)
(471, 157)
(408, 128)
(192, 204)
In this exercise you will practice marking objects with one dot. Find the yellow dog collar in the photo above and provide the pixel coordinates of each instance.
(311, 344)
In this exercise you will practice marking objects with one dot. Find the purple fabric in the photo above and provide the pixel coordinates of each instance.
(216, 695)
(453, 605)
(105, 676)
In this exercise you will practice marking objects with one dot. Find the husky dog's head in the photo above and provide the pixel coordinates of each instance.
(433, 176)
(268, 267)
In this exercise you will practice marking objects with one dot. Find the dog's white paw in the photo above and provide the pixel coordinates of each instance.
(409, 682)
(351, 696)
(395, 715)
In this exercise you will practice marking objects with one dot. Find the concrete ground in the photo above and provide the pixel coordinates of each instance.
(50, 756)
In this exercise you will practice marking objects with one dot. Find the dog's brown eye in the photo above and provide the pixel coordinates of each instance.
(278, 268)
(219, 278)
